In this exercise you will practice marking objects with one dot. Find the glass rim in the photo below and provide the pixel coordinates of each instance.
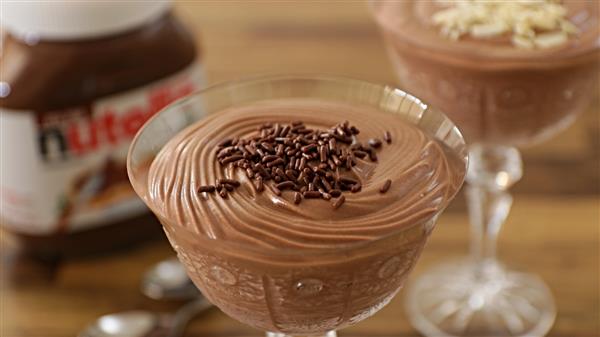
(293, 253)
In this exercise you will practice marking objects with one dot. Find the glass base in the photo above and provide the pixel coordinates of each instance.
(326, 334)
(457, 299)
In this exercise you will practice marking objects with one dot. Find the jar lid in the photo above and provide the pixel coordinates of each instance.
(71, 20)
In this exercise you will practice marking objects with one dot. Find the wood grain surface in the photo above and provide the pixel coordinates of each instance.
(553, 230)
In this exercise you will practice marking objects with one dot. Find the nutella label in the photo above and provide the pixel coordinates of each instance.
(64, 171)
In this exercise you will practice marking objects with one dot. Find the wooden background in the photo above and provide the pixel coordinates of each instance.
(552, 231)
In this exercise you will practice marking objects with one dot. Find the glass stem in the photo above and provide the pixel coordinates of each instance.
(493, 169)
(325, 334)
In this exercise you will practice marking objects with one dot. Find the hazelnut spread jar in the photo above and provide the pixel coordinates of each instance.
(77, 80)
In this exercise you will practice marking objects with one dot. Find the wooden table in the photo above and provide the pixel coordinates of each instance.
(553, 229)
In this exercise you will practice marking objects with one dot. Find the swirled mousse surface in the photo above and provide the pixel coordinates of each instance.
(423, 175)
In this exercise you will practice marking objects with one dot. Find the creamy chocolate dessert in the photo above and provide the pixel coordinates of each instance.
(299, 215)
(505, 72)
(420, 172)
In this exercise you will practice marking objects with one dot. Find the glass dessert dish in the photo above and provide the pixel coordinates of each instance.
(501, 97)
(298, 290)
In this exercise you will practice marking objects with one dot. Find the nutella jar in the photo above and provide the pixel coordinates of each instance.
(78, 80)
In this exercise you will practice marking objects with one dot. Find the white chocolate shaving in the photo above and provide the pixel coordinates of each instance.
(522, 42)
(550, 40)
(531, 23)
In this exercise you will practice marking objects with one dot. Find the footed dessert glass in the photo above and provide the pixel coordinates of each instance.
(500, 101)
(299, 292)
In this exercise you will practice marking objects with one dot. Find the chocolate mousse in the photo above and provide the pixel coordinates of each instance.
(505, 72)
(316, 157)
(300, 215)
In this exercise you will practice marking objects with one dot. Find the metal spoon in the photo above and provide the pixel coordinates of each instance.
(167, 280)
(141, 323)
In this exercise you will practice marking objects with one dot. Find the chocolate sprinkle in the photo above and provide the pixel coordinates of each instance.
(360, 154)
(231, 159)
(285, 185)
(355, 188)
(231, 182)
(269, 158)
(275, 162)
(348, 180)
(374, 142)
(297, 198)
(338, 202)
(373, 156)
(323, 153)
(386, 186)
(312, 194)
(387, 137)
(310, 162)
(258, 183)
(206, 188)
(276, 190)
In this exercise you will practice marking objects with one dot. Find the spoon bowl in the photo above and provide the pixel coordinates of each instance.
(167, 280)
(139, 323)
(129, 323)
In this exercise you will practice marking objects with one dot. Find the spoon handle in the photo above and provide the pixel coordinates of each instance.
(185, 314)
